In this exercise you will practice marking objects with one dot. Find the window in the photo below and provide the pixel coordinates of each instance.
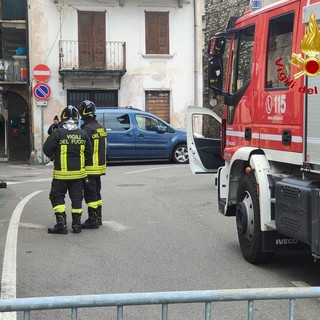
(241, 67)
(116, 121)
(149, 124)
(157, 32)
(279, 47)
(101, 98)
(242, 58)
(92, 40)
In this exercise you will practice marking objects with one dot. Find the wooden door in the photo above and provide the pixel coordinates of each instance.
(158, 103)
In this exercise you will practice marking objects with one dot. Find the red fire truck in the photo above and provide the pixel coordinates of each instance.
(265, 151)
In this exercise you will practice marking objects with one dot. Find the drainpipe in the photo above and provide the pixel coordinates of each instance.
(197, 30)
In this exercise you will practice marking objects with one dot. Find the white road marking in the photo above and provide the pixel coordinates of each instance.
(116, 226)
(31, 225)
(28, 181)
(9, 269)
(151, 169)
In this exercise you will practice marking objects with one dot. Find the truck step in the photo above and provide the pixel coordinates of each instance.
(271, 225)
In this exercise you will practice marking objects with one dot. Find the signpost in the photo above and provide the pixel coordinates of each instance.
(41, 91)
(41, 72)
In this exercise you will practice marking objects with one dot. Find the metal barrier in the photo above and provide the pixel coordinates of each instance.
(164, 298)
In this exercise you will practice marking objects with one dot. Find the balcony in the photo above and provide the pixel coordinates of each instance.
(81, 59)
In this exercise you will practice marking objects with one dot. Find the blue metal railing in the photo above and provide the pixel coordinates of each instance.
(26, 305)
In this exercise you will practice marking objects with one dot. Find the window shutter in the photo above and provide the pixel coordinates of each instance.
(157, 32)
(92, 39)
(83, 36)
(151, 32)
(98, 39)
(163, 22)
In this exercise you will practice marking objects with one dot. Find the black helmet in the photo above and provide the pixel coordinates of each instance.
(87, 109)
(69, 113)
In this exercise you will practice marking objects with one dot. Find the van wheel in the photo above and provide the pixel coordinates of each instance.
(248, 221)
(180, 154)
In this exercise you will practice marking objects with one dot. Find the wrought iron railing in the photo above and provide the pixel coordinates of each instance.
(112, 58)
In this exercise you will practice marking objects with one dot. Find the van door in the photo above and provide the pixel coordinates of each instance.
(150, 142)
(120, 136)
(204, 140)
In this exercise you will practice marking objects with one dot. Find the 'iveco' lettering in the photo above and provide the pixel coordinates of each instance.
(286, 241)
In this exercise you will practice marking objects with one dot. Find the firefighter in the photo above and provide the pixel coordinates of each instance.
(70, 148)
(96, 165)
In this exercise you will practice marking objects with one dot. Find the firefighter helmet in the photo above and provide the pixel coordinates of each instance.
(69, 113)
(87, 109)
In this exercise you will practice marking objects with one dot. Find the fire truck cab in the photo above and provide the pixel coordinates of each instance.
(265, 66)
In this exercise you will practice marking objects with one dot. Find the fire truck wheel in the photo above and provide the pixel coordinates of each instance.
(248, 221)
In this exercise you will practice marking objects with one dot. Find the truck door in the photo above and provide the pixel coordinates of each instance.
(204, 140)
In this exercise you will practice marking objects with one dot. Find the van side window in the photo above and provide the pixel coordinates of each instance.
(117, 121)
(147, 123)
(279, 47)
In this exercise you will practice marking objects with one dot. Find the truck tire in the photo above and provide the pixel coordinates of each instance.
(180, 154)
(248, 221)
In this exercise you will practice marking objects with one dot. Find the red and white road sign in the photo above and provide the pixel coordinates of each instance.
(41, 91)
(41, 72)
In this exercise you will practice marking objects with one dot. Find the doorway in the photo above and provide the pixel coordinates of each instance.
(17, 130)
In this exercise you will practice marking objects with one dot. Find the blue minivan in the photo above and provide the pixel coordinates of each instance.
(133, 134)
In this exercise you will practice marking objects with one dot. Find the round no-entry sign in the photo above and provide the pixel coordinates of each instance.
(41, 72)
(41, 91)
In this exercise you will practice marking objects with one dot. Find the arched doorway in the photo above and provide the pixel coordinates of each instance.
(18, 127)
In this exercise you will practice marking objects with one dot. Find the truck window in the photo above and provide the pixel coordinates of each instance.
(242, 58)
(279, 49)
(241, 66)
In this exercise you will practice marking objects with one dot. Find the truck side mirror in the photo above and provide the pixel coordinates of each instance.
(215, 74)
(217, 45)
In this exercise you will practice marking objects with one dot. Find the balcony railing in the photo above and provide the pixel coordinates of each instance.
(113, 58)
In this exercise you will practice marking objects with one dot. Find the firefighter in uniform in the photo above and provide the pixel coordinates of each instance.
(96, 165)
(69, 147)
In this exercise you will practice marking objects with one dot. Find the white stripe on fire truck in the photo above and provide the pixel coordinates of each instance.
(263, 136)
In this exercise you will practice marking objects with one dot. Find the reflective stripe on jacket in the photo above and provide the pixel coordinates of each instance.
(70, 149)
(96, 165)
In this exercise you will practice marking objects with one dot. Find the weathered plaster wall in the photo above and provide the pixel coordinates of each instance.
(44, 48)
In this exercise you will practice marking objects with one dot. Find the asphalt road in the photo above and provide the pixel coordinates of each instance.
(161, 232)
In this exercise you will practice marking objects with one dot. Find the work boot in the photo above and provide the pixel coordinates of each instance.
(76, 222)
(92, 222)
(61, 226)
(99, 215)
